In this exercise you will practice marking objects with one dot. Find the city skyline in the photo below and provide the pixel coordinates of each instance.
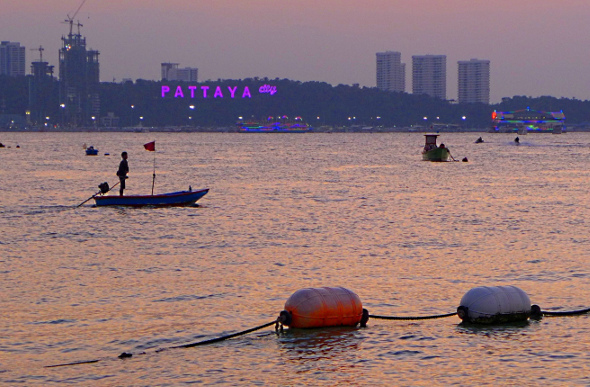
(333, 42)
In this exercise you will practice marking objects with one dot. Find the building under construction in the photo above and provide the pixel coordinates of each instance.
(79, 80)
(41, 89)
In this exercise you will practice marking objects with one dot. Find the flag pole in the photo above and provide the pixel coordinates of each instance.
(154, 175)
(151, 146)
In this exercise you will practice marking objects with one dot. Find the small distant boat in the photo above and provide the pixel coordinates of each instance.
(181, 198)
(432, 152)
(479, 140)
(90, 151)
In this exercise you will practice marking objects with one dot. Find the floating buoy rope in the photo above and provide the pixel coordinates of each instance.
(330, 307)
(74, 363)
(565, 313)
(126, 355)
(217, 339)
(413, 317)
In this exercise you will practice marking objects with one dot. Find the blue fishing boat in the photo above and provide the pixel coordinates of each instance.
(90, 151)
(180, 198)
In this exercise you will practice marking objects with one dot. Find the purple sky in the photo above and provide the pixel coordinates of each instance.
(536, 47)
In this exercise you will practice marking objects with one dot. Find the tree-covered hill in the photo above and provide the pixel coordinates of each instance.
(319, 103)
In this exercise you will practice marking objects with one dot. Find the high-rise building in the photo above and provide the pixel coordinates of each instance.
(41, 89)
(12, 59)
(429, 75)
(79, 81)
(171, 72)
(474, 81)
(391, 72)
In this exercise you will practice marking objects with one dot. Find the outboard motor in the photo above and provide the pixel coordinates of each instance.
(104, 187)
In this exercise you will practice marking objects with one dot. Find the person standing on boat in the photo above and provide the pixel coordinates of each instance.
(122, 172)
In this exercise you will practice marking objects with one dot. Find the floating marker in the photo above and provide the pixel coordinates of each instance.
(495, 304)
(323, 307)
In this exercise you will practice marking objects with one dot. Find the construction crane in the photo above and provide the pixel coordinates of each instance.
(70, 20)
(40, 49)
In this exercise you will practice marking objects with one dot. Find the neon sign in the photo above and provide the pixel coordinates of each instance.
(216, 92)
(268, 89)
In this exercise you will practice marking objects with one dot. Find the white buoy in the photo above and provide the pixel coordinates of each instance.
(494, 304)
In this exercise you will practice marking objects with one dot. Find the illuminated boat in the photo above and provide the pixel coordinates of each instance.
(275, 125)
(432, 152)
(181, 198)
(528, 121)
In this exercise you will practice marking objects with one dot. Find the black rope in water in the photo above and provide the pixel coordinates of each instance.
(567, 313)
(215, 340)
(126, 355)
(414, 318)
(75, 363)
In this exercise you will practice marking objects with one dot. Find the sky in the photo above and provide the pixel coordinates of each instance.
(536, 47)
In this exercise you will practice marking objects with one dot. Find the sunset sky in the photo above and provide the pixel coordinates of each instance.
(536, 47)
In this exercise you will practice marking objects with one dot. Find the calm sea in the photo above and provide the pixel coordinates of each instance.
(286, 212)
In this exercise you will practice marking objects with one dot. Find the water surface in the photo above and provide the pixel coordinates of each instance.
(285, 212)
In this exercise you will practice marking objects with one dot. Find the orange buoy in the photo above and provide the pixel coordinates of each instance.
(323, 307)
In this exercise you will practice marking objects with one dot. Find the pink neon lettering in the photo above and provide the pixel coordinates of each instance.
(179, 92)
(204, 88)
(268, 89)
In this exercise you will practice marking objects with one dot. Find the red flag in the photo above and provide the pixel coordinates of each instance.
(150, 146)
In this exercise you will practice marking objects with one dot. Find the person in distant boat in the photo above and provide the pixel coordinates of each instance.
(442, 146)
(479, 140)
(122, 172)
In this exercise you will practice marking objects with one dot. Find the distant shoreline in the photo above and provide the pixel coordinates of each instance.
(235, 130)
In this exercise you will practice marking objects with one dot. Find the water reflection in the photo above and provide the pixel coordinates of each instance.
(501, 331)
(327, 352)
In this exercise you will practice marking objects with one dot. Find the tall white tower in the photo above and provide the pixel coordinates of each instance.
(429, 75)
(474, 81)
(391, 73)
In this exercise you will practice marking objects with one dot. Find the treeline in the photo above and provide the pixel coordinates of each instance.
(319, 103)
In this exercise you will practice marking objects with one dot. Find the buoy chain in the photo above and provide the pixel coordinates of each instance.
(413, 317)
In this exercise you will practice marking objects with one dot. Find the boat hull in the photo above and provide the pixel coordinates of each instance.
(181, 198)
(438, 154)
